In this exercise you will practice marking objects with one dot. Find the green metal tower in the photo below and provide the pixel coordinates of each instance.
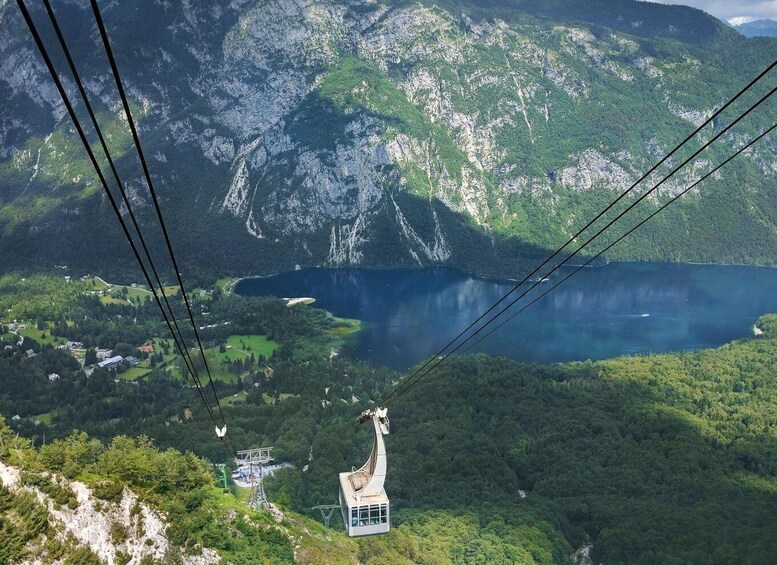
(327, 510)
(223, 478)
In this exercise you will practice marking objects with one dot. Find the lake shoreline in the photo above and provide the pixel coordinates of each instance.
(622, 309)
(488, 278)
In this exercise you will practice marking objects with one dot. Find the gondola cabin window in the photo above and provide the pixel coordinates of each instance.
(369, 515)
(365, 519)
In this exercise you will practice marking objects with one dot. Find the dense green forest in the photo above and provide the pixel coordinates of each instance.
(654, 459)
(667, 458)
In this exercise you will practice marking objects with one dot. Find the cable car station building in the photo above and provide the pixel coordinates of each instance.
(363, 500)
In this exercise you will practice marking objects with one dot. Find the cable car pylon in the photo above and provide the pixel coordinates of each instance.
(363, 500)
(327, 510)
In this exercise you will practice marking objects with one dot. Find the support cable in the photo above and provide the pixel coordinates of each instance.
(144, 165)
(58, 83)
(79, 83)
(622, 237)
(400, 390)
(591, 222)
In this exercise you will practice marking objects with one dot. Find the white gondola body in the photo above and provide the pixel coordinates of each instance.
(363, 500)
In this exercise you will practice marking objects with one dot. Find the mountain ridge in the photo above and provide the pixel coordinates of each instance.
(758, 28)
(359, 133)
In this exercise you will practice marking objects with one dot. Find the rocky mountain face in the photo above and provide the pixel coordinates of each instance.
(344, 132)
(87, 529)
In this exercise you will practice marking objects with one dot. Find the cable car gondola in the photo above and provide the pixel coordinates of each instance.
(363, 500)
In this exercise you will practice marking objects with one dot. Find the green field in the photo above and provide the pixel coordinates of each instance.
(157, 343)
(35, 334)
(226, 284)
(256, 344)
(234, 398)
(195, 296)
(231, 354)
(106, 299)
(133, 374)
(45, 417)
(238, 348)
(115, 293)
(96, 284)
(221, 372)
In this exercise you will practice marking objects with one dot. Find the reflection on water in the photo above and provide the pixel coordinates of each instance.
(603, 312)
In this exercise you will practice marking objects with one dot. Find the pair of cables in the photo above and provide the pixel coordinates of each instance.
(152, 278)
(456, 347)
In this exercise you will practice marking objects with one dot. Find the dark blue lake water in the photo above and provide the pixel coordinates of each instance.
(600, 312)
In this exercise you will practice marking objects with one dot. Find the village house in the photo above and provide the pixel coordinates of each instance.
(103, 354)
(111, 363)
(53, 377)
(146, 348)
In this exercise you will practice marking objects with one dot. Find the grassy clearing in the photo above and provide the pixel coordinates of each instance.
(216, 361)
(256, 344)
(158, 346)
(222, 373)
(37, 335)
(135, 294)
(142, 293)
(230, 355)
(112, 300)
(200, 295)
(238, 348)
(226, 284)
(119, 294)
(45, 418)
(97, 284)
(133, 373)
(144, 364)
(234, 398)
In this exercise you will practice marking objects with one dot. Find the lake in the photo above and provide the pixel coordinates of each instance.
(602, 312)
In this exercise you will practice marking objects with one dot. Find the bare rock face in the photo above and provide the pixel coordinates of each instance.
(306, 121)
(594, 170)
(129, 528)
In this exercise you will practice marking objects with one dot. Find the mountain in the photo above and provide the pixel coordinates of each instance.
(78, 501)
(51, 510)
(357, 132)
(758, 28)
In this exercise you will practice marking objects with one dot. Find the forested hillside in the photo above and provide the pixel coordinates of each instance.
(667, 458)
(654, 459)
(475, 134)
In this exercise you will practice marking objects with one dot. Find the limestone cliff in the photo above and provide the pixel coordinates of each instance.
(367, 133)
